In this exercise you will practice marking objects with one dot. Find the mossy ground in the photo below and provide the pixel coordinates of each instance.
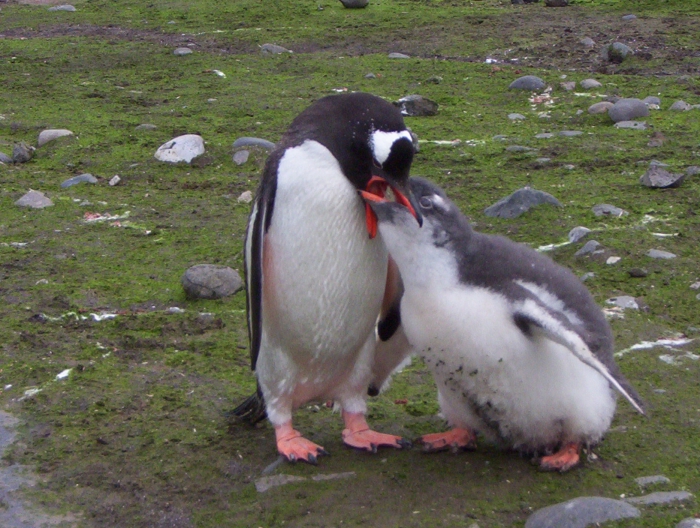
(137, 434)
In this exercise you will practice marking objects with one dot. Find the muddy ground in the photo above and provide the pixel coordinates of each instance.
(137, 434)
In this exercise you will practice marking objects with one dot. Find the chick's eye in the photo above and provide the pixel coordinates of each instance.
(425, 202)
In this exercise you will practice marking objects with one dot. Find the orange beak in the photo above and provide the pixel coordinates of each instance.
(375, 191)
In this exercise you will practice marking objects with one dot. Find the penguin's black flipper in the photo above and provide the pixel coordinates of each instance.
(251, 410)
(532, 316)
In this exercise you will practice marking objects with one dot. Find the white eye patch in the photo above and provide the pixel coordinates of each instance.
(381, 143)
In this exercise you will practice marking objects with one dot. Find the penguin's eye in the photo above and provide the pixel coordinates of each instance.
(425, 202)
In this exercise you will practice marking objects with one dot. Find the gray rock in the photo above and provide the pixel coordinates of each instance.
(578, 233)
(49, 135)
(581, 512)
(586, 276)
(600, 108)
(589, 247)
(616, 52)
(651, 480)
(500, 137)
(568, 85)
(660, 254)
(64, 7)
(265, 483)
(240, 157)
(245, 197)
(628, 109)
(689, 523)
(516, 117)
(4, 158)
(587, 42)
(556, 3)
(416, 106)
(638, 273)
(146, 126)
(651, 100)
(182, 51)
(693, 170)
(655, 163)
(35, 200)
(570, 133)
(355, 4)
(662, 497)
(519, 148)
(608, 210)
(624, 301)
(528, 82)
(659, 178)
(588, 84)
(22, 153)
(544, 135)
(627, 18)
(634, 125)
(253, 142)
(370, 75)
(75, 180)
(181, 149)
(520, 202)
(273, 49)
(115, 180)
(207, 281)
(398, 56)
(681, 106)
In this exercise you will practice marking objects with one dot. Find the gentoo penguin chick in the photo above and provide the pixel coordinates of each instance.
(317, 274)
(518, 347)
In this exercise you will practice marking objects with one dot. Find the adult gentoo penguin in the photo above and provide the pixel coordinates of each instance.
(517, 345)
(316, 272)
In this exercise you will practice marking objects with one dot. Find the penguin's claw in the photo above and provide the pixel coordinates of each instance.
(357, 434)
(455, 440)
(295, 447)
(563, 460)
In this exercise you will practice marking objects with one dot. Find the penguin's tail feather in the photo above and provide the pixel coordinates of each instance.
(251, 410)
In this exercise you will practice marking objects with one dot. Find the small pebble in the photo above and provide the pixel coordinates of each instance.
(34, 200)
(634, 125)
(241, 156)
(398, 56)
(588, 247)
(115, 180)
(527, 82)
(245, 197)
(65, 7)
(578, 233)
(516, 117)
(208, 281)
(588, 84)
(637, 273)
(660, 254)
(273, 49)
(86, 178)
(544, 135)
(182, 51)
(608, 210)
(681, 106)
(600, 108)
(627, 18)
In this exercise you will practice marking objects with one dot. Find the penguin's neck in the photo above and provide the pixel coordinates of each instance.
(426, 266)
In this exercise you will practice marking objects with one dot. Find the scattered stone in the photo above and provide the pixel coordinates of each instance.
(544, 135)
(208, 281)
(182, 148)
(416, 106)
(398, 56)
(637, 273)
(689, 523)
(681, 106)
(520, 202)
(516, 117)
(568, 85)
(608, 210)
(613, 260)
(660, 254)
(519, 148)
(628, 109)
(568, 166)
(662, 497)
(651, 480)
(528, 82)
(578, 233)
(245, 197)
(587, 42)
(588, 84)
(627, 18)
(265, 483)
(64, 7)
(253, 142)
(693, 170)
(616, 52)
(624, 301)
(49, 135)
(35, 200)
(182, 51)
(600, 108)
(659, 178)
(75, 180)
(370, 75)
(556, 3)
(355, 4)
(657, 139)
(4, 158)
(241, 156)
(651, 100)
(570, 133)
(273, 49)
(22, 153)
(543, 161)
(581, 512)
(634, 125)
(146, 126)
(115, 180)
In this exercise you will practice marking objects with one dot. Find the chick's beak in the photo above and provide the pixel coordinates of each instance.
(375, 191)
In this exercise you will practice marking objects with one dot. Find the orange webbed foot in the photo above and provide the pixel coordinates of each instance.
(293, 446)
(563, 460)
(357, 434)
(455, 440)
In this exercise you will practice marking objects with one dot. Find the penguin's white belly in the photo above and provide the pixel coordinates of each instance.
(529, 391)
(323, 277)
